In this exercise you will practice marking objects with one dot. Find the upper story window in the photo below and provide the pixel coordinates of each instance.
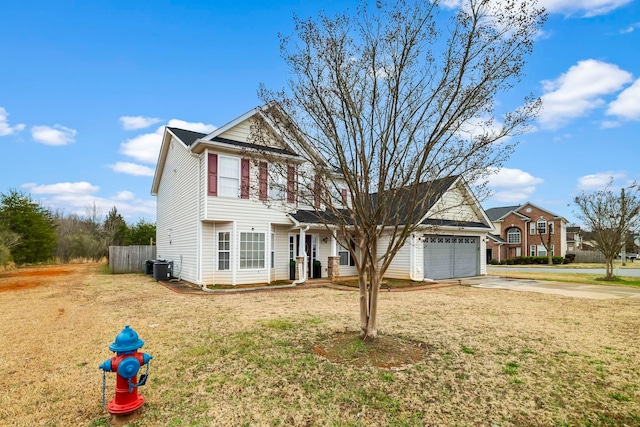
(551, 228)
(542, 226)
(513, 235)
(277, 183)
(228, 176)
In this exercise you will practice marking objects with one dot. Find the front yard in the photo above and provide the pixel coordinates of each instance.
(491, 357)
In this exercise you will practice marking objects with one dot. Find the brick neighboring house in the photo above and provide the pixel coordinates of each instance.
(518, 232)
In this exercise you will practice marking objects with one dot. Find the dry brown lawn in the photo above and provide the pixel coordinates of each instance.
(491, 357)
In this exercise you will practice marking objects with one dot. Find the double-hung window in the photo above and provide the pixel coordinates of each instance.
(252, 251)
(224, 250)
(228, 176)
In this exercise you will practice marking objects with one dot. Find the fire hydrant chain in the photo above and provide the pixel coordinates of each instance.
(104, 387)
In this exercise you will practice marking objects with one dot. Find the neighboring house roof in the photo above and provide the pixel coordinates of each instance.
(495, 214)
(454, 223)
(496, 238)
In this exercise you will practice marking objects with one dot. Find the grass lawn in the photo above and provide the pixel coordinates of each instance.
(569, 276)
(489, 356)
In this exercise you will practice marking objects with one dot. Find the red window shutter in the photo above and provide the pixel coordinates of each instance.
(212, 182)
(263, 181)
(291, 184)
(316, 192)
(344, 196)
(244, 178)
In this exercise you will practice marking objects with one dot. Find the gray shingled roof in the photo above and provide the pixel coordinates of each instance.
(495, 214)
(188, 137)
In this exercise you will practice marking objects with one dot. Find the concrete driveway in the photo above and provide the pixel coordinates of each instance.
(576, 290)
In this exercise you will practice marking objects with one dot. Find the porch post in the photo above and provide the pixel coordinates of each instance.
(333, 268)
(301, 264)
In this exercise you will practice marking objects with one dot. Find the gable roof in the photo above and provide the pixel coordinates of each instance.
(400, 212)
(495, 214)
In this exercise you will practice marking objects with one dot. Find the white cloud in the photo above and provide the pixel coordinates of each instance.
(132, 169)
(79, 197)
(609, 124)
(630, 29)
(598, 181)
(627, 105)
(579, 91)
(138, 122)
(145, 148)
(125, 195)
(63, 188)
(5, 129)
(512, 185)
(56, 135)
(585, 8)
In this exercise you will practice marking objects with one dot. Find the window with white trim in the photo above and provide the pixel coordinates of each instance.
(532, 250)
(532, 228)
(542, 226)
(345, 256)
(224, 250)
(273, 250)
(252, 251)
(552, 251)
(513, 235)
(228, 176)
(551, 227)
(277, 183)
(542, 251)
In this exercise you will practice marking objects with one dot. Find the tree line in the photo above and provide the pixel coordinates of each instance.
(32, 233)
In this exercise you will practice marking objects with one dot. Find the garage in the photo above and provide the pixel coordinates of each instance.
(447, 257)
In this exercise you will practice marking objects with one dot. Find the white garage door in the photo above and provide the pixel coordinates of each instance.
(447, 257)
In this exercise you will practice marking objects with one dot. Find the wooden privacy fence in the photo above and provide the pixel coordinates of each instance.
(130, 259)
(589, 256)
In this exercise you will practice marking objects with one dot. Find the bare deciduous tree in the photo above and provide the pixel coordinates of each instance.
(390, 101)
(609, 218)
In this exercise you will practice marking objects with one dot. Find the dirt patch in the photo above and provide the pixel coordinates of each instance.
(31, 277)
(387, 352)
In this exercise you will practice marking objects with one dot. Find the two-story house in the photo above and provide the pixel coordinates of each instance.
(226, 216)
(525, 230)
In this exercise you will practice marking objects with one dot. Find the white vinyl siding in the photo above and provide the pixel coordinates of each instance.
(177, 220)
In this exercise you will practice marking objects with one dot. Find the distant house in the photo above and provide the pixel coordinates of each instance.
(574, 239)
(523, 230)
(221, 219)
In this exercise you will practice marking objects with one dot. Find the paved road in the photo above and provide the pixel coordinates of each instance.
(632, 272)
(576, 290)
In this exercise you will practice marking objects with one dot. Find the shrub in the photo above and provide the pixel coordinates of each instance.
(510, 262)
(558, 259)
(494, 262)
(569, 258)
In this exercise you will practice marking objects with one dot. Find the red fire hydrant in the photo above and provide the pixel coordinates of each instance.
(126, 364)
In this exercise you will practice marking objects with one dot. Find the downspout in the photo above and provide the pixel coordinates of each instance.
(412, 260)
(303, 270)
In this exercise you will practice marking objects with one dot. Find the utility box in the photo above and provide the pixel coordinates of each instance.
(148, 266)
(161, 270)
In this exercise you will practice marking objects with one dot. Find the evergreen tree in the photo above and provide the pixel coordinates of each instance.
(141, 233)
(33, 224)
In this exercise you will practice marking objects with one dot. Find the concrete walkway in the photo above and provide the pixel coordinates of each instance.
(576, 290)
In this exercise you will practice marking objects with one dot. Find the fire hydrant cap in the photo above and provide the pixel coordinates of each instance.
(126, 340)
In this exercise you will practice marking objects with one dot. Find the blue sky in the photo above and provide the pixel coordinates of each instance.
(86, 87)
